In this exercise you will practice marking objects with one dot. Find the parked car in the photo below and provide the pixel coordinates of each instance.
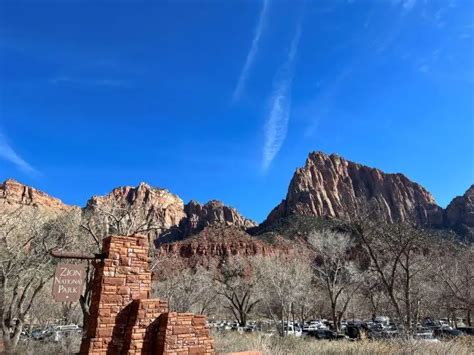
(356, 331)
(425, 334)
(382, 320)
(466, 330)
(291, 329)
(447, 333)
(311, 327)
(327, 334)
(251, 328)
(38, 334)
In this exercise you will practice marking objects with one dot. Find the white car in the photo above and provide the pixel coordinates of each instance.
(311, 327)
(426, 335)
(291, 330)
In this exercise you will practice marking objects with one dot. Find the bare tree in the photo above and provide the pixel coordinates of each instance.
(282, 284)
(187, 290)
(373, 293)
(26, 239)
(456, 271)
(235, 281)
(102, 221)
(397, 254)
(336, 270)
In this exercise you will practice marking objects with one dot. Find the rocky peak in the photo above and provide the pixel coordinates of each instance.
(460, 214)
(331, 186)
(199, 216)
(14, 193)
(158, 207)
(166, 212)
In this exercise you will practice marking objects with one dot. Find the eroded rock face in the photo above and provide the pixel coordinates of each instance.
(15, 194)
(329, 185)
(460, 214)
(165, 212)
(159, 207)
(219, 241)
(213, 212)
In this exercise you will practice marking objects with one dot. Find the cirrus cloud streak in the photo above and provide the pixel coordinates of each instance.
(251, 54)
(8, 153)
(276, 124)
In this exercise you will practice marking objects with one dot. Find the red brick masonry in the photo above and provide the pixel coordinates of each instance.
(123, 320)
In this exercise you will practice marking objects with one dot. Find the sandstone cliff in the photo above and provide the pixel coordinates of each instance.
(214, 212)
(146, 208)
(14, 194)
(162, 213)
(327, 186)
(460, 214)
(154, 207)
(331, 186)
(219, 241)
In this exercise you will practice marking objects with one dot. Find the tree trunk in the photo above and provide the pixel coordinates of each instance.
(334, 316)
(243, 318)
(16, 334)
(7, 343)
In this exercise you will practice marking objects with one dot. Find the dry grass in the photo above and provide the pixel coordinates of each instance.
(67, 346)
(233, 341)
(229, 342)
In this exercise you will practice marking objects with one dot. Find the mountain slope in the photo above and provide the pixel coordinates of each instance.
(331, 186)
(216, 242)
(161, 212)
(460, 214)
(14, 194)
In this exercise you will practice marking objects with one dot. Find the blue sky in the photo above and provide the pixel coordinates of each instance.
(224, 100)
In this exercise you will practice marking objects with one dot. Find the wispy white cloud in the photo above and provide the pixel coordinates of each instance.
(8, 153)
(251, 54)
(276, 125)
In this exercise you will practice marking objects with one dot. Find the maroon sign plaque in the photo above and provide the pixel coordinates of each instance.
(68, 282)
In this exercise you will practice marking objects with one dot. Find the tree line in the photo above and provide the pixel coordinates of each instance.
(374, 269)
(395, 270)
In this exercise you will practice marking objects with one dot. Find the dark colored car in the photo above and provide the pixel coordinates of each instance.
(466, 330)
(38, 334)
(446, 333)
(326, 334)
(357, 331)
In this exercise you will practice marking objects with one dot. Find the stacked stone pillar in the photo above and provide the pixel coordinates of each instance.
(123, 320)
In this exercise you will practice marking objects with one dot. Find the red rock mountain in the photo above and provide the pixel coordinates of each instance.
(218, 241)
(166, 211)
(460, 214)
(157, 207)
(331, 186)
(328, 186)
(153, 206)
(214, 212)
(14, 194)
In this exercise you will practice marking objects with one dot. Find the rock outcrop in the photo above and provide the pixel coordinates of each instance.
(218, 241)
(154, 208)
(214, 212)
(331, 186)
(14, 194)
(459, 214)
(327, 186)
(163, 215)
